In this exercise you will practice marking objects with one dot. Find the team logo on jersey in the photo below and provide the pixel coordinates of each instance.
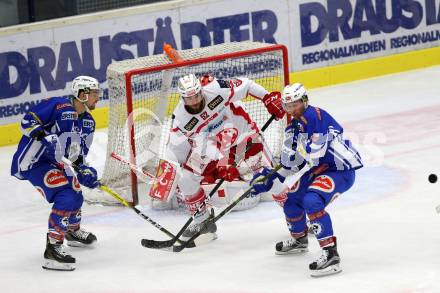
(227, 137)
(215, 102)
(215, 125)
(204, 115)
(190, 125)
(55, 178)
(61, 106)
(223, 83)
(236, 82)
(69, 115)
(41, 191)
(323, 183)
(75, 184)
(87, 123)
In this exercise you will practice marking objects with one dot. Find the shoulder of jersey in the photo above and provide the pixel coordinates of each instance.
(314, 113)
(182, 119)
(216, 86)
(61, 103)
(87, 115)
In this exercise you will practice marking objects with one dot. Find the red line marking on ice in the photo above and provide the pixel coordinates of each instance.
(416, 126)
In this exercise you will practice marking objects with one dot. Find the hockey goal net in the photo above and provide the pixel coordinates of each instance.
(143, 95)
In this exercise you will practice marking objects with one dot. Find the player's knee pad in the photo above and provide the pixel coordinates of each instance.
(292, 208)
(313, 202)
(293, 204)
(68, 200)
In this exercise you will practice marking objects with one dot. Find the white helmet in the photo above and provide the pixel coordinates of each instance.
(86, 84)
(189, 85)
(294, 92)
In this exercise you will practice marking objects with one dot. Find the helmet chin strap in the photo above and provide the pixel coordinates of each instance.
(84, 101)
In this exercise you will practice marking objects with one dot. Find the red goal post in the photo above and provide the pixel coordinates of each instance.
(142, 96)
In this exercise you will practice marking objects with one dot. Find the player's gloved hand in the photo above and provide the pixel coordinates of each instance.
(228, 172)
(36, 132)
(273, 104)
(53, 147)
(87, 176)
(265, 185)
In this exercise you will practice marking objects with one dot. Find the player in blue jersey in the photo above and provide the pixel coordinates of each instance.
(313, 140)
(56, 128)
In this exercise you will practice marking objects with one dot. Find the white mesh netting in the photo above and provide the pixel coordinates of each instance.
(154, 97)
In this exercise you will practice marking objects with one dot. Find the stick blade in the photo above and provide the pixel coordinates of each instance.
(166, 245)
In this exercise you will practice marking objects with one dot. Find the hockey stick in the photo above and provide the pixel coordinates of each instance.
(108, 190)
(168, 243)
(297, 176)
(132, 166)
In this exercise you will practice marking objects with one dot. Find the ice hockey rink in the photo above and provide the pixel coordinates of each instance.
(387, 227)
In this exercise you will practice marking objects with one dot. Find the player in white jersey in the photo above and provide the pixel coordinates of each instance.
(212, 134)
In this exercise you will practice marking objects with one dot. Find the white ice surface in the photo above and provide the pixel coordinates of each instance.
(387, 228)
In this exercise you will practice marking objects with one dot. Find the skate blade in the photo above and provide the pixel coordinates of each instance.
(79, 244)
(202, 239)
(331, 270)
(293, 251)
(53, 265)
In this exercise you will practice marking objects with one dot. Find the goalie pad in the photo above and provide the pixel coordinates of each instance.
(165, 183)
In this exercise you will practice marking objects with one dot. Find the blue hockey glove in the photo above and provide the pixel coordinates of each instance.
(87, 176)
(53, 147)
(266, 185)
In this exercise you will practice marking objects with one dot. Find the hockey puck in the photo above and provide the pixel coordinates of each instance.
(432, 178)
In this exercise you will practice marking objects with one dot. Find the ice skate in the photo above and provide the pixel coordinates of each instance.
(292, 246)
(327, 264)
(55, 258)
(206, 227)
(80, 238)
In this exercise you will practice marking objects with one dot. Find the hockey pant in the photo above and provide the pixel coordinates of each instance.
(310, 197)
(64, 191)
(190, 182)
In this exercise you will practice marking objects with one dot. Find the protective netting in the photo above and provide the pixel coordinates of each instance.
(154, 97)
